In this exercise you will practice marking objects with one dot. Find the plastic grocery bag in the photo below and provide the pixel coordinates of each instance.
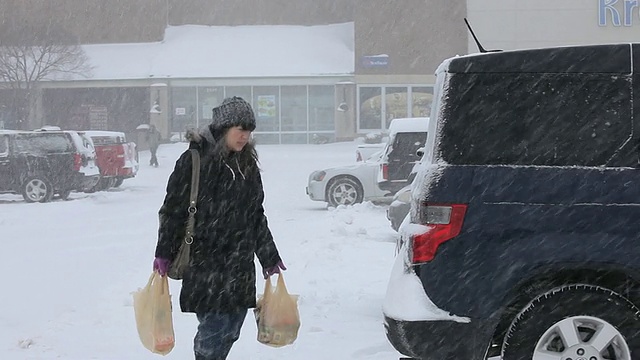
(152, 306)
(277, 315)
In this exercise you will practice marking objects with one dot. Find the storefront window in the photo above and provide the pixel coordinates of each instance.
(265, 105)
(294, 138)
(240, 91)
(395, 104)
(183, 105)
(294, 108)
(422, 98)
(322, 108)
(208, 98)
(370, 108)
(266, 138)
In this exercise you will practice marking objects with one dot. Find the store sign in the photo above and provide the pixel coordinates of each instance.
(99, 118)
(618, 12)
(375, 61)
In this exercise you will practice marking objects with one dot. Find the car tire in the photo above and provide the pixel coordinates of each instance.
(567, 321)
(344, 191)
(37, 189)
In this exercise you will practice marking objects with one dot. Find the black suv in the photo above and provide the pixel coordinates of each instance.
(524, 239)
(41, 164)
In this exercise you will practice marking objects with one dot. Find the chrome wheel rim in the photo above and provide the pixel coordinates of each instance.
(344, 194)
(582, 338)
(36, 190)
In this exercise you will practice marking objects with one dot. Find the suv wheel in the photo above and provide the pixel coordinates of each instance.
(37, 189)
(575, 322)
(344, 191)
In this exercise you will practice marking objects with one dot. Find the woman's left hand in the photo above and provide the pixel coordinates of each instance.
(273, 270)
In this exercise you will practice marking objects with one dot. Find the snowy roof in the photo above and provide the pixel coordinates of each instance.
(196, 51)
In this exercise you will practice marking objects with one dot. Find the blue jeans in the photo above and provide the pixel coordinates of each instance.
(216, 334)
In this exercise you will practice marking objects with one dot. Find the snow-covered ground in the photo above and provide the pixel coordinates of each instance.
(69, 267)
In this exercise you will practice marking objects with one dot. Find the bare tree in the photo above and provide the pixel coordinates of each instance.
(32, 54)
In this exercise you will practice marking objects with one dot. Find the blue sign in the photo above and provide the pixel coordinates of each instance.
(375, 61)
(607, 10)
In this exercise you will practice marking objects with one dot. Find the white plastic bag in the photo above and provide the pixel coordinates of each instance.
(152, 306)
(277, 315)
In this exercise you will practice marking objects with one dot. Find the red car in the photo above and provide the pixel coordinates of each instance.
(117, 159)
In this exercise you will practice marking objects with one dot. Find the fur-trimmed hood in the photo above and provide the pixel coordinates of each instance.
(211, 145)
(196, 135)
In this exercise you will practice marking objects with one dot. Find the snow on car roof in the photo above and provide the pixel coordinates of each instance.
(104, 133)
(408, 125)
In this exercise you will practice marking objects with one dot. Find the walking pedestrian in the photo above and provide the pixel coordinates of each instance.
(219, 284)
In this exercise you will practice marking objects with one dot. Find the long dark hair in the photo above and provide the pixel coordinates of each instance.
(247, 157)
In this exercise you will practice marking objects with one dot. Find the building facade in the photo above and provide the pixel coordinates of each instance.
(396, 47)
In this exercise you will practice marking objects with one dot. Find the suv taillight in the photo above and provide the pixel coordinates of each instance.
(77, 161)
(443, 222)
(384, 170)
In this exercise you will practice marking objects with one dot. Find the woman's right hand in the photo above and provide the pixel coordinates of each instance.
(161, 265)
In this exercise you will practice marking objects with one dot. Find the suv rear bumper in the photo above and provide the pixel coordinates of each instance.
(437, 340)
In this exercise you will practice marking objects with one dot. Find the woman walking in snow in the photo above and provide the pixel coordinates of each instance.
(219, 284)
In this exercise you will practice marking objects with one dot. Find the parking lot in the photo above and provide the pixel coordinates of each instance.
(71, 265)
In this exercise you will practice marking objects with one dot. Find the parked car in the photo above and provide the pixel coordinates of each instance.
(39, 164)
(406, 136)
(364, 151)
(399, 207)
(87, 160)
(373, 142)
(523, 235)
(117, 158)
(348, 185)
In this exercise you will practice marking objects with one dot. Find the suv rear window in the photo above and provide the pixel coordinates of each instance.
(538, 119)
(405, 146)
(43, 143)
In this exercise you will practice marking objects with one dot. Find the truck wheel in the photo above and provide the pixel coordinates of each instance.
(118, 182)
(575, 322)
(37, 189)
(344, 191)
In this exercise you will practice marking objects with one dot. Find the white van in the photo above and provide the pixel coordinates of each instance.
(406, 136)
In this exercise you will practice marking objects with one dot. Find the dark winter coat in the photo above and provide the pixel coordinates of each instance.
(230, 228)
(153, 139)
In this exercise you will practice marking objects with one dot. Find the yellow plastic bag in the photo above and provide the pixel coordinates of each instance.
(152, 307)
(277, 315)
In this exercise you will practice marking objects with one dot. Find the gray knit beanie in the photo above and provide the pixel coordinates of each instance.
(233, 111)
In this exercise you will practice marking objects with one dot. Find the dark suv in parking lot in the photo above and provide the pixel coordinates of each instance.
(39, 164)
(524, 240)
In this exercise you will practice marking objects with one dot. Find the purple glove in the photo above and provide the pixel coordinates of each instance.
(273, 270)
(161, 266)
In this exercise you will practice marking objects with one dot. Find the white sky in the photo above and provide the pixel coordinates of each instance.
(198, 51)
(70, 267)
